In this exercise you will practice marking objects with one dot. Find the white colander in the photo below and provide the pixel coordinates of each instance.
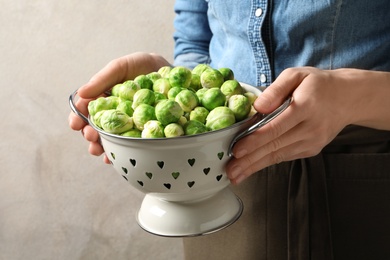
(183, 178)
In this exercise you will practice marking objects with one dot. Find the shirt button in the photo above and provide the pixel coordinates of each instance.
(259, 12)
(263, 78)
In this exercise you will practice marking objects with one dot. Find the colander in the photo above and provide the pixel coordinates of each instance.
(183, 178)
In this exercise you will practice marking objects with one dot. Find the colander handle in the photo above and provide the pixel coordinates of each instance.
(74, 108)
(261, 121)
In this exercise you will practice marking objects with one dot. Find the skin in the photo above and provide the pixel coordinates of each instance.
(324, 102)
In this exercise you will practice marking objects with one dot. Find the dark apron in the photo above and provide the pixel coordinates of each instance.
(335, 205)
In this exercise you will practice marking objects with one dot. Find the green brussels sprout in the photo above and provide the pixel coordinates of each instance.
(164, 71)
(227, 73)
(187, 99)
(132, 133)
(101, 103)
(200, 93)
(200, 68)
(158, 97)
(180, 77)
(220, 117)
(182, 120)
(142, 114)
(172, 93)
(168, 111)
(252, 112)
(194, 127)
(231, 87)
(195, 82)
(240, 105)
(115, 90)
(143, 96)
(144, 81)
(162, 86)
(115, 122)
(126, 90)
(153, 129)
(153, 76)
(213, 98)
(126, 107)
(173, 130)
(96, 118)
(199, 114)
(251, 96)
(211, 78)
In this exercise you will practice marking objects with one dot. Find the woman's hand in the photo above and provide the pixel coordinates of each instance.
(117, 71)
(324, 102)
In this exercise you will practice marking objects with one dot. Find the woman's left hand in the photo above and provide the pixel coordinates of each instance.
(324, 102)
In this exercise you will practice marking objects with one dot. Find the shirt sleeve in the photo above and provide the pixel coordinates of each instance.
(192, 33)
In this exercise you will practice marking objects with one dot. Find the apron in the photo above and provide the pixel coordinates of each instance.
(335, 205)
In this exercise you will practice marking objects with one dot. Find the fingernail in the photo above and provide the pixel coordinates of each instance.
(239, 179)
(236, 171)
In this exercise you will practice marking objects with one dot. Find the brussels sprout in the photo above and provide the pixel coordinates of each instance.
(142, 114)
(153, 76)
(199, 114)
(211, 78)
(227, 73)
(132, 133)
(187, 99)
(115, 121)
(143, 96)
(126, 107)
(200, 68)
(101, 103)
(173, 130)
(200, 93)
(220, 117)
(164, 71)
(144, 81)
(194, 127)
(182, 120)
(195, 82)
(213, 98)
(158, 97)
(126, 90)
(153, 129)
(180, 77)
(240, 105)
(251, 96)
(96, 118)
(162, 86)
(168, 111)
(252, 112)
(231, 87)
(172, 93)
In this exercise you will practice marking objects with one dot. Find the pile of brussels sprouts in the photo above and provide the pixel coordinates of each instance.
(174, 101)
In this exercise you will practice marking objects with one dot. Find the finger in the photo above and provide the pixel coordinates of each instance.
(95, 149)
(274, 95)
(90, 134)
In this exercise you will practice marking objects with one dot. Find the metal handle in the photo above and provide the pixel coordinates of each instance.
(74, 108)
(264, 119)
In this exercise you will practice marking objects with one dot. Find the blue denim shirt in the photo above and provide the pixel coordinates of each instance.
(258, 39)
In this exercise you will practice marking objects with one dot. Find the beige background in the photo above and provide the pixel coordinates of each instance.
(56, 200)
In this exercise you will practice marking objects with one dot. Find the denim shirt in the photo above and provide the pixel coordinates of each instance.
(258, 39)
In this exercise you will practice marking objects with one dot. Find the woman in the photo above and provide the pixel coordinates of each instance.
(318, 176)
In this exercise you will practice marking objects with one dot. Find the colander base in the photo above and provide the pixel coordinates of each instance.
(187, 219)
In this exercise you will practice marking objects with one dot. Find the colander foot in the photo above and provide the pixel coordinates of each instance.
(187, 219)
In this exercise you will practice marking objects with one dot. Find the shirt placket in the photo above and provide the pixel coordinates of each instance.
(256, 21)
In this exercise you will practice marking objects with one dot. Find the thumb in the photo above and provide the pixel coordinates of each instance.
(275, 94)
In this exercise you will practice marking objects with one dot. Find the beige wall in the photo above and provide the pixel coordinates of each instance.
(57, 201)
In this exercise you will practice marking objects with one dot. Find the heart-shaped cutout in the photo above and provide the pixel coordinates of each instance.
(206, 170)
(191, 162)
(140, 183)
(175, 175)
(149, 175)
(160, 164)
(124, 170)
(220, 155)
(133, 162)
(190, 184)
(125, 178)
(167, 185)
(219, 177)
(113, 156)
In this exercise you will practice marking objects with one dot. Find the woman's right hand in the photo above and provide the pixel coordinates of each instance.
(116, 71)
